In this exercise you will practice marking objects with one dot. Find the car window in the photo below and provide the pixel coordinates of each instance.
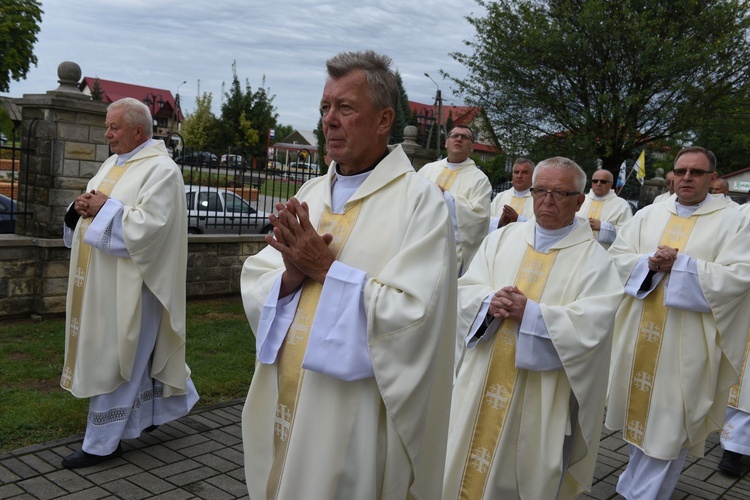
(209, 201)
(189, 200)
(238, 205)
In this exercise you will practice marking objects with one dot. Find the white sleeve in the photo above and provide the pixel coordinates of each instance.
(534, 348)
(105, 231)
(275, 319)
(338, 338)
(521, 218)
(494, 221)
(451, 203)
(683, 289)
(638, 276)
(607, 233)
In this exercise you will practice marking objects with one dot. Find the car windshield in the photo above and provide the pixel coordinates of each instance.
(238, 205)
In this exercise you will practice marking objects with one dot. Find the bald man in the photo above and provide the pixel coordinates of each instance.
(720, 189)
(605, 211)
(670, 188)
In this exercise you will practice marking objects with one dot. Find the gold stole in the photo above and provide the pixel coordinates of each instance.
(500, 380)
(734, 392)
(648, 344)
(80, 279)
(517, 203)
(446, 178)
(292, 352)
(595, 212)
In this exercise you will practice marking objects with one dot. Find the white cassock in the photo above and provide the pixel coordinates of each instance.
(521, 201)
(728, 200)
(553, 413)
(611, 210)
(467, 194)
(371, 401)
(735, 436)
(672, 391)
(125, 347)
(662, 197)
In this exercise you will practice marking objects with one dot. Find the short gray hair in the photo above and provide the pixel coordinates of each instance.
(381, 79)
(136, 113)
(524, 161)
(565, 164)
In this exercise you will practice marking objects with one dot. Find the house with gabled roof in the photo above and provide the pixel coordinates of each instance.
(164, 107)
(485, 144)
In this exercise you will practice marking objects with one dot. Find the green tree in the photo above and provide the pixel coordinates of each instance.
(96, 92)
(403, 113)
(321, 138)
(727, 134)
(19, 25)
(197, 127)
(604, 77)
(246, 117)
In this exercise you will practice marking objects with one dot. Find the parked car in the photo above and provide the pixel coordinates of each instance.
(203, 158)
(232, 161)
(220, 211)
(300, 171)
(8, 211)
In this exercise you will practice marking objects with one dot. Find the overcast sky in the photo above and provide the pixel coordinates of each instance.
(161, 44)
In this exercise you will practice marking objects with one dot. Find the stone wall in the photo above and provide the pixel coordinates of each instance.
(34, 271)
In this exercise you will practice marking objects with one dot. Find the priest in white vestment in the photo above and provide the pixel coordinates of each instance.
(466, 190)
(735, 435)
(681, 330)
(514, 204)
(670, 189)
(536, 308)
(720, 189)
(353, 305)
(125, 329)
(605, 211)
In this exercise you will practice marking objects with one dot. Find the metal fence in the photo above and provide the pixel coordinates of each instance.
(10, 163)
(230, 194)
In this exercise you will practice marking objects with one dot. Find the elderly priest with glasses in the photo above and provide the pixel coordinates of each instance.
(605, 211)
(681, 329)
(536, 309)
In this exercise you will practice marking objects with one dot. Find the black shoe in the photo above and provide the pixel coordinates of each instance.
(81, 459)
(731, 463)
(150, 429)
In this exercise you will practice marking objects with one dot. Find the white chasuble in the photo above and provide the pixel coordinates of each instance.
(381, 437)
(700, 354)
(611, 208)
(547, 444)
(523, 205)
(471, 191)
(101, 341)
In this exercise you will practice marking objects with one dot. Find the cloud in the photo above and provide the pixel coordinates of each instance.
(161, 44)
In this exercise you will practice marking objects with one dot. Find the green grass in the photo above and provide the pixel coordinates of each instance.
(35, 409)
(279, 189)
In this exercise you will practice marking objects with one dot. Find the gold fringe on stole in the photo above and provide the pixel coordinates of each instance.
(648, 343)
(595, 212)
(734, 392)
(446, 178)
(500, 380)
(292, 352)
(79, 281)
(517, 203)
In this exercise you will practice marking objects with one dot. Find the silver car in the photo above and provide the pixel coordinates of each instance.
(220, 211)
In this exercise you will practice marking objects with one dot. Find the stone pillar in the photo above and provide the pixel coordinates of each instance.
(418, 155)
(652, 188)
(64, 132)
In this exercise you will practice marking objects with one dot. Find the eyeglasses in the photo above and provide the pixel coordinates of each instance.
(539, 194)
(694, 172)
(460, 136)
(600, 181)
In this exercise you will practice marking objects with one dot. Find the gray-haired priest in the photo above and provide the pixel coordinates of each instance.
(536, 307)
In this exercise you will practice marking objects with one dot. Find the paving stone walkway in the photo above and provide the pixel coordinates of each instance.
(200, 457)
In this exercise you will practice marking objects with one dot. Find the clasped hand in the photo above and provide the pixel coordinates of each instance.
(508, 302)
(663, 259)
(305, 252)
(88, 204)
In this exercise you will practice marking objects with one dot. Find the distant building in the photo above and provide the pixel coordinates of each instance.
(486, 144)
(164, 107)
(300, 145)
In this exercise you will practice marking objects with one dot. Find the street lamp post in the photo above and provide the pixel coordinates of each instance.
(439, 101)
(177, 110)
(152, 103)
